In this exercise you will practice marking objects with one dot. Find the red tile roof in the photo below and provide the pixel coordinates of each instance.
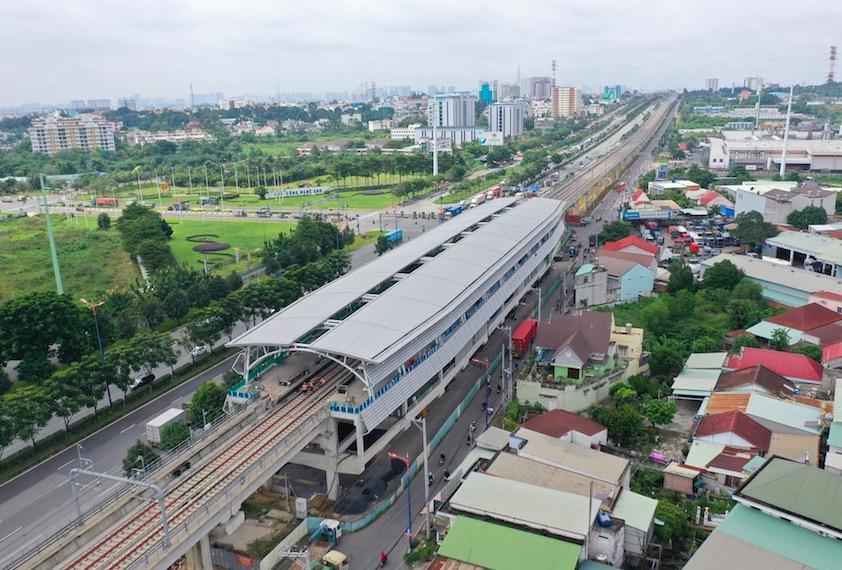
(631, 241)
(737, 423)
(637, 194)
(556, 423)
(760, 375)
(710, 196)
(806, 317)
(729, 462)
(787, 364)
(828, 295)
(736, 333)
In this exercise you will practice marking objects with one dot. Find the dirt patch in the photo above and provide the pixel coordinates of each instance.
(675, 436)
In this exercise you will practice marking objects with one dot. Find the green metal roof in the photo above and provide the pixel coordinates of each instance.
(783, 538)
(803, 490)
(585, 269)
(502, 548)
(708, 360)
(834, 438)
(638, 511)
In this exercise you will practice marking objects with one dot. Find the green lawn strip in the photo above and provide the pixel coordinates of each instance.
(19, 462)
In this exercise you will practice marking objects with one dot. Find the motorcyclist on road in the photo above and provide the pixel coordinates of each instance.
(441, 459)
(383, 558)
(446, 473)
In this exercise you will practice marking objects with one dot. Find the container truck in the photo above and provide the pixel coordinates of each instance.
(114, 202)
(450, 211)
(394, 236)
(156, 424)
(523, 337)
(573, 219)
(477, 200)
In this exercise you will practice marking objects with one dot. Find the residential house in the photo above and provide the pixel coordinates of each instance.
(567, 426)
(778, 200)
(756, 379)
(796, 322)
(615, 276)
(734, 429)
(789, 516)
(833, 457)
(715, 200)
(632, 244)
(797, 368)
(813, 252)
(590, 286)
(781, 285)
(699, 376)
(832, 301)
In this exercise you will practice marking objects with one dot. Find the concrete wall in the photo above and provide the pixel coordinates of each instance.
(572, 398)
(636, 281)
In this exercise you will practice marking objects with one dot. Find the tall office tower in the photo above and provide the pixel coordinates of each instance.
(489, 91)
(712, 84)
(53, 134)
(509, 91)
(506, 118)
(612, 92)
(567, 102)
(455, 109)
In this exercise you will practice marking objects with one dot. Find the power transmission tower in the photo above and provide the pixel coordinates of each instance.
(832, 64)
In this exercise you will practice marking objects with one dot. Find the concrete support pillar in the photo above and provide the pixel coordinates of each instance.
(331, 468)
(358, 431)
(199, 556)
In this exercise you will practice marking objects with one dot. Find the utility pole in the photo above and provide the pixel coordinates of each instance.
(435, 134)
(52, 238)
(786, 134)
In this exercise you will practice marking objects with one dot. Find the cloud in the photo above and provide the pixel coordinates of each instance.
(58, 51)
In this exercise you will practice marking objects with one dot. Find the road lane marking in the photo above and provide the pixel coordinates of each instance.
(10, 534)
(65, 465)
(128, 428)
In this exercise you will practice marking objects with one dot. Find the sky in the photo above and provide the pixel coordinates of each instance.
(54, 52)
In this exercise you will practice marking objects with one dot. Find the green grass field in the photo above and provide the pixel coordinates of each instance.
(246, 235)
(27, 266)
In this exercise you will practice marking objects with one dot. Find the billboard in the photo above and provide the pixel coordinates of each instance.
(487, 138)
(309, 191)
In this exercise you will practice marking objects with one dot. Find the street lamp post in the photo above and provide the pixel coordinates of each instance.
(538, 290)
(142, 463)
(408, 532)
(422, 425)
(92, 305)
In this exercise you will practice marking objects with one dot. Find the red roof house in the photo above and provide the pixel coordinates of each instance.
(794, 367)
(632, 244)
(756, 378)
(568, 426)
(734, 429)
(806, 317)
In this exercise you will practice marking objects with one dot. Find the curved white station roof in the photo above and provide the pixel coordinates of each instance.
(385, 324)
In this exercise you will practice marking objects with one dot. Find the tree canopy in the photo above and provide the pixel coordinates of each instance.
(809, 216)
(752, 229)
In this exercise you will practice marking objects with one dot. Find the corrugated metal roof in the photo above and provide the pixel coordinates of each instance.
(701, 453)
(499, 547)
(765, 330)
(834, 437)
(556, 512)
(638, 511)
(819, 246)
(806, 318)
(797, 367)
(792, 414)
(802, 490)
(709, 360)
(509, 466)
(695, 382)
(782, 538)
(557, 423)
(676, 469)
(725, 401)
(376, 330)
(737, 423)
(572, 456)
(721, 550)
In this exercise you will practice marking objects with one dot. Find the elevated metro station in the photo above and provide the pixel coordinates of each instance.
(389, 337)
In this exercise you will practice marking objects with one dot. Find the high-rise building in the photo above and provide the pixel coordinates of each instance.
(506, 118)
(753, 83)
(455, 109)
(567, 102)
(99, 104)
(53, 134)
(612, 92)
(536, 87)
(509, 91)
(712, 84)
(488, 91)
(128, 103)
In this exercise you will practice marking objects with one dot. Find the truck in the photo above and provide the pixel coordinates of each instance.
(181, 205)
(209, 200)
(156, 424)
(522, 337)
(323, 542)
(450, 211)
(621, 186)
(113, 202)
(477, 200)
(573, 219)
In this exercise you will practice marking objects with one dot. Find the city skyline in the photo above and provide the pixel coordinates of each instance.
(158, 48)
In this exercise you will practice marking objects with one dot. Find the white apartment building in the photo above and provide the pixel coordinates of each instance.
(455, 109)
(53, 134)
(177, 137)
(404, 133)
(506, 118)
(567, 102)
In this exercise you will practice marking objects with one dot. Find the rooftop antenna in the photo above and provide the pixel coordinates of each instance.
(832, 64)
(786, 133)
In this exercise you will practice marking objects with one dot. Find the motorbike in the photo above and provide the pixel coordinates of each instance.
(441, 459)
(430, 478)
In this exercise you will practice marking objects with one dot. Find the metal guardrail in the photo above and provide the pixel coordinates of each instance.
(157, 465)
(195, 520)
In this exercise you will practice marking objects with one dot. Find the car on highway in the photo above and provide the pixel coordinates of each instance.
(141, 380)
(199, 350)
